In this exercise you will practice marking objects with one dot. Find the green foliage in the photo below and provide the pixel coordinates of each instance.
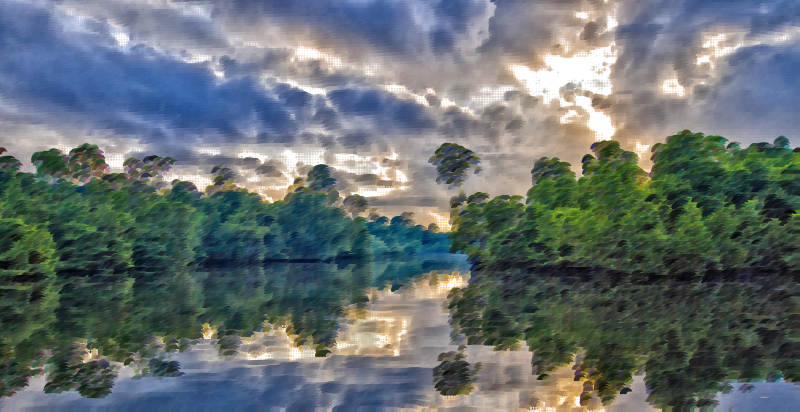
(355, 205)
(67, 371)
(453, 163)
(149, 170)
(28, 290)
(50, 164)
(320, 181)
(120, 264)
(10, 163)
(454, 375)
(553, 183)
(689, 276)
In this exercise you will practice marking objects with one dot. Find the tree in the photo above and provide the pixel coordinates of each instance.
(94, 273)
(138, 269)
(355, 205)
(669, 276)
(166, 296)
(453, 163)
(405, 219)
(149, 170)
(51, 165)
(554, 183)
(184, 192)
(67, 371)
(320, 181)
(86, 162)
(10, 163)
(28, 299)
(223, 180)
(454, 375)
(27, 281)
(611, 176)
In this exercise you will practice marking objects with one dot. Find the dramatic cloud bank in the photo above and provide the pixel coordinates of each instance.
(371, 87)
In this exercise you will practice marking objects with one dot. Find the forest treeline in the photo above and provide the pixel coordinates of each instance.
(688, 274)
(131, 266)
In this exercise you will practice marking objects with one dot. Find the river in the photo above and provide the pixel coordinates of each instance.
(383, 360)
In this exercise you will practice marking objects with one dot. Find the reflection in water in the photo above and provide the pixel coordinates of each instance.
(389, 328)
(384, 355)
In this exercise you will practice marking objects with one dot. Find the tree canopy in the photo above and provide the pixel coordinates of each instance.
(688, 275)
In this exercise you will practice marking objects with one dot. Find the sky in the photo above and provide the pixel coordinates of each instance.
(373, 87)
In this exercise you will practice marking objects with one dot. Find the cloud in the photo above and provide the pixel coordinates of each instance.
(373, 180)
(143, 22)
(269, 171)
(727, 64)
(590, 31)
(327, 118)
(366, 77)
(243, 63)
(382, 107)
(442, 41)
(380, 23)
(104, 86)
(405, 201)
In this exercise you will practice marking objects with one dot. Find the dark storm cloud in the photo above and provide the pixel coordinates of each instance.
(457, 124)
(252, 65)
(495, 114)
(590, 31)
(763, 84)
(433, 100)
(458, 13)
(511, 95)
(308, 138)
(299, 102)
(442, 41)
(408, 200)
(183, 156)
(357, 139)
(326, 141)
(523, 28)
(320, 77)
(100, 84)
(489, 126)
(453, 17)
(164, 27)
(382, 24)
(759, 16)
(218, 160)
(269, 171)
(515, 124)
(754, 91)
(383, 107)
(326, 117)
(267, 138)
(356, 102)
(373, 180)
(367, 179)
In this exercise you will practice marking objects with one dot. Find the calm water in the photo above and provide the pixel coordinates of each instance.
(383, 360)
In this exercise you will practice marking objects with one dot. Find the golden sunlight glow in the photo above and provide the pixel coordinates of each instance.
(442, 221)
(577, 401)
(200, 181)
(641, 148)
(672, 87)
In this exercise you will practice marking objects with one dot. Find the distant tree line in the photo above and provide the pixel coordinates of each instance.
(132, 267)
(688, 274)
